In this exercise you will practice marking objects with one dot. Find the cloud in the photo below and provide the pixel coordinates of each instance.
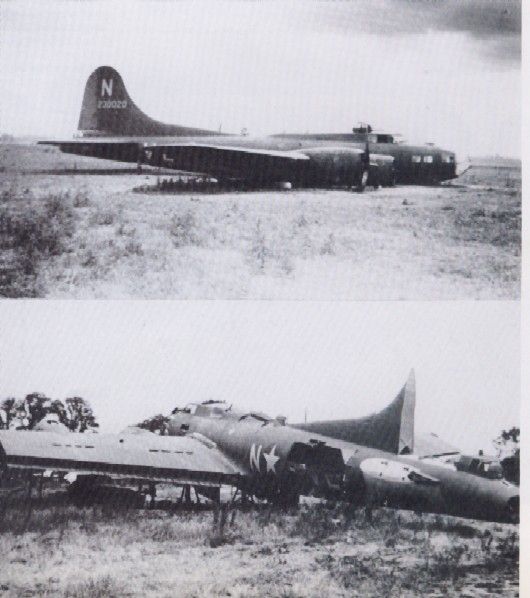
(494, 24)
(480, 18)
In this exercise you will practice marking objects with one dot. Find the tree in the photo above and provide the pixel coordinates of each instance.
(36, 405)
(508, 451)
(57, 407)
(156, 423)
(7, 412)
(79, 415)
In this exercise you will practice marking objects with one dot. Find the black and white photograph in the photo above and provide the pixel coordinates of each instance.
(363, 150)
(263, 316)
(260, 448)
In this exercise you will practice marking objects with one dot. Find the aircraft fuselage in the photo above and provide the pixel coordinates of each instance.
(283, 462)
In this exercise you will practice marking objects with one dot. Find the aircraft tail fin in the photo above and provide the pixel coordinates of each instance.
(391, 430)
(108, 110)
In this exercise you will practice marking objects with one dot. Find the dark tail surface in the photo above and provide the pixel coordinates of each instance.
(391, 430)
(108, 110)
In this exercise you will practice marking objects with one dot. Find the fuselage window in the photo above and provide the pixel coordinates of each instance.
(427, 159)
(416, 159)
(217, 412)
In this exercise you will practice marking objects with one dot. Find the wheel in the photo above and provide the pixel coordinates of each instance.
(391, 182)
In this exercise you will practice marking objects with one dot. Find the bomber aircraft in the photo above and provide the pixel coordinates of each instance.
(113, 127)
(212, 444)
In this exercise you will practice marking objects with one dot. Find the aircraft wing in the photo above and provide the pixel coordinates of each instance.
(225, 161)
(177, 459)
(215, 160)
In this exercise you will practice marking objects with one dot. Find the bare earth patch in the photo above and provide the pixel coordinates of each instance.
(320, 550)
(405, 243)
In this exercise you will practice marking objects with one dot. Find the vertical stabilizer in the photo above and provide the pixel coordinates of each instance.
(391, 430)
(408, 405)
(108, 110)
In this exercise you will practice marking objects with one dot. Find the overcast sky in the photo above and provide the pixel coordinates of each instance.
(434, 70)
(335, 359)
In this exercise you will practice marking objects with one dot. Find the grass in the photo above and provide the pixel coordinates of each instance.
(112, 242)
(320, 549)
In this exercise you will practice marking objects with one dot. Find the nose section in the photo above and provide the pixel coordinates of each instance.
(501, 504)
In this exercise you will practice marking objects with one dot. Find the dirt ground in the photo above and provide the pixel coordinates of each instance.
(320, 550)
(93, 236)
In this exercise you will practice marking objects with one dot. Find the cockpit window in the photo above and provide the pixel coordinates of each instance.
(190, 408)
(261, 417)
(448, 158)
(209, 411)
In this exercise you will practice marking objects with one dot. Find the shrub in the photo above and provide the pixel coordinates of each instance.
(259, 248)
(183, 230)
(316, 523)
(81, 200)
(29, 235)
(102, 217)
(100, 587)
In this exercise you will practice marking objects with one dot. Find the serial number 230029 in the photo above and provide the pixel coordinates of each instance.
(112, 103)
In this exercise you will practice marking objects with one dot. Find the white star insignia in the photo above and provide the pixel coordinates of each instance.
(271, 459)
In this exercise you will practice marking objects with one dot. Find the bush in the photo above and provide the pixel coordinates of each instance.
(316, 523)
(102, 218)
(102, 587)
(81, 200)
(29, 235)
(183, 230)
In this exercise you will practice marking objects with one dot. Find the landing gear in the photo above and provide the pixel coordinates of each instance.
(361, 185)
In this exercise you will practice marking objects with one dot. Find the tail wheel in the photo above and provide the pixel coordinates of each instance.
(362, 181)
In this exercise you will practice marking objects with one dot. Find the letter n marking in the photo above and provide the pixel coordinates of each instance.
(106, 87)
(254, 457)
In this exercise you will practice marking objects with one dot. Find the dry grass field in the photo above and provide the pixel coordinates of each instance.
(319, 550)
(66, 234)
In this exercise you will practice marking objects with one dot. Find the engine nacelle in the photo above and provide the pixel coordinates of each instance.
(336, 166)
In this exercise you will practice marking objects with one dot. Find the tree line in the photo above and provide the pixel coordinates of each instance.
(24, 414)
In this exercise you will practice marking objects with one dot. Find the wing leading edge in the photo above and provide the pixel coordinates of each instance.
(150, 457)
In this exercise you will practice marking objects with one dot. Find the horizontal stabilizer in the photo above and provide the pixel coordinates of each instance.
(432, 446)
